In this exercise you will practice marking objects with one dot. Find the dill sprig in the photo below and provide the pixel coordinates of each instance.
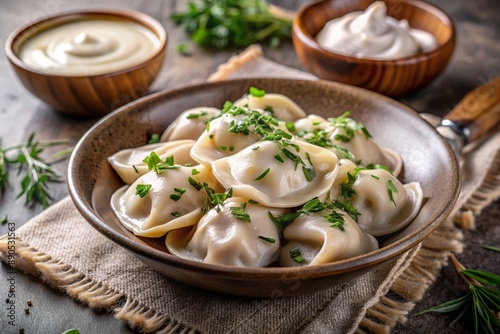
(481, 303)
(34, 171)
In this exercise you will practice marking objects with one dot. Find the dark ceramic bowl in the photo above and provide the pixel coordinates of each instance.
(393, 78)
(427, 159)
(87, 95)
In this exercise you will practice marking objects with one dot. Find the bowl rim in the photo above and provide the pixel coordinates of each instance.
(310, 41)
(73, 15)
(268, 273)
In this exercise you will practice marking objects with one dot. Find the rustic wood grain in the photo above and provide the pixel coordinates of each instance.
(476, 60)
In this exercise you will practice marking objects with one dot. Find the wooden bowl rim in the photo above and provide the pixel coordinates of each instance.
(305, 38)
(269, 273)
(63, 17)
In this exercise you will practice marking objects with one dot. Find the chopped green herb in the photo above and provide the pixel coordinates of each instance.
(291, 127)
(182, 49)
(270, 240)
(197, 185)
(223, 148)
(231, 148)
(283, 221)
(255, 92)
(175, 197)
(155, 163)
(180, 190)
(375, 177)
(491, 248)
(251, 201)
(336, 219)
(255, 148)
(175, 214)
(262, 175)
(269, 109)
(279, 158)
(348, 126)
(135, 169)
(72, 331)
(378, 166)
(191, 116)
(391, 189)
(239, 212)
(3, 220)
(142, 189)
(295, 255)
(309, 173)
(155, 138)
(194, 171)
(211, 136)
(227, 106)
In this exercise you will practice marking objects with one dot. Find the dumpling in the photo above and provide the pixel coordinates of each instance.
(223, 236)
(175, 199)
(220, 141)
(129, 163)
(190, 124)
(314, 240)
(278, 105)
(353, 137)
(310, 123)
(384, 203)
(278, 175)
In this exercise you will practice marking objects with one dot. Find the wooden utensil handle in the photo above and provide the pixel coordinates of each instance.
(478, 111)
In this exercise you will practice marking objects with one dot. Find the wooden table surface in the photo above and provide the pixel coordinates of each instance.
(477, 58)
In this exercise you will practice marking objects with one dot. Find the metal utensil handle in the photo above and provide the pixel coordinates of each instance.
(477, 113)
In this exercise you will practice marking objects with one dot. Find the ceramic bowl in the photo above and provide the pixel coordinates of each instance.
(393, 78)
(87, 95)
(427, 159)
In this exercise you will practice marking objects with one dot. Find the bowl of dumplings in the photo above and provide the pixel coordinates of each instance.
(242, 186)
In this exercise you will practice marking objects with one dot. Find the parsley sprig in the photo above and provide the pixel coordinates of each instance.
(481, 302)
(35, 171)
(240, 23)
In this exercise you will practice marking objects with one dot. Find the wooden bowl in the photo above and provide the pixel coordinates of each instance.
(393, 78)
(87, 95)
(427, 159)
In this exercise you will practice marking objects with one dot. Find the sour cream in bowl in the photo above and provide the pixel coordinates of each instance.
(392, 47)
(88, 63)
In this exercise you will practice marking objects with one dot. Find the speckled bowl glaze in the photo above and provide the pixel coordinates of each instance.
(87, 95)
(393, 78)
(427, 159)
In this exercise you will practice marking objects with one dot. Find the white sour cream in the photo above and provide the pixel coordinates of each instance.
(373, 34)
(88, 47)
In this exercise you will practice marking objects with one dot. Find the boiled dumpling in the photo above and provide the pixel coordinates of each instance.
(175, 199)
(353, 137)
(312, 240)
(225, 237)
(278, 176)
(385, 204)
(278, 105)
(129, 163)
(219, 141)
(310, 123)
(190, 124)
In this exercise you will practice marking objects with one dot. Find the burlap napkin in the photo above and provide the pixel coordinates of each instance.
(55, 246)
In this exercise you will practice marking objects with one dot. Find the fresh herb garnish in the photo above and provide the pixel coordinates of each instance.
(255, 92)
(27, 159)
(192, 115)
(481, 302)
(263, 174)
(491, 248)
(295, 255)
(270, 240)
(155, 138)
(239, 213)
(175, 214)
(142, 190)
(240, 23)
(135, 169)
(391, 189)
(194, 171)
(197, 185)
(348, 127)
(182, 48)
(3, 220)
(177, 194)
(251, 201)
(155, 163)
(72, 331)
